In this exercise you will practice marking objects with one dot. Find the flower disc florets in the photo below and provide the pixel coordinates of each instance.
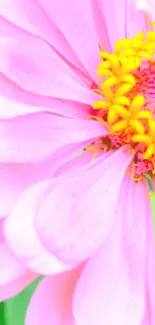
(127, 86)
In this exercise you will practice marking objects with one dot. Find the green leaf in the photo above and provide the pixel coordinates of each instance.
(2, 314)
(15, 308)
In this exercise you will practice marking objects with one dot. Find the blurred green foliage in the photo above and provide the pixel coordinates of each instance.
(12, 311)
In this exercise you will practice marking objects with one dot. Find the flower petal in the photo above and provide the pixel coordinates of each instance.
(147, 7)
(51, 302)
(150, 259)
(18, 102)
(28, 248)
(35, 137)
(135, 21)
(111, 288)
(77, 31)
(56, 24)
(11, 108)
(113, 18)
(13, 275)
(21, 220)
(135, 223)
(82, 205)
(151, 275)
(101, 25)
(17, 177)
(83, 158)
(142, 240)
(17, 285)
(36, 67)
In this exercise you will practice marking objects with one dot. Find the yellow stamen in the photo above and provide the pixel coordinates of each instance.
(104, 65)
(137, 103)
(112, 115)
(101, 104)
(124, 89)
(98, 91)
(110, 82)
(95, 151)
(104, 72)
(142, 138)
(104, 55)
(145, 54)
(151, 124)
(149, 152)
(118, 46)
(108, 94)
(119, 126)
(121, 111)
(123, 100)
(114, 62)
(127, 112)
(151, 35)
(137, 126)
(136, 179)
(143, 115)
(99, 119)
(128, 78)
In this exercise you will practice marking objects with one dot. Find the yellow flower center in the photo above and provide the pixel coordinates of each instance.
(126, 108)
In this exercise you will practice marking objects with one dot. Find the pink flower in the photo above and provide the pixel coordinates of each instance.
(33, 92)
(90, 212)
(88, 220)
(34, 141)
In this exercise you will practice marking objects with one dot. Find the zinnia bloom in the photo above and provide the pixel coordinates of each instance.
(34, 141)
(94, 211)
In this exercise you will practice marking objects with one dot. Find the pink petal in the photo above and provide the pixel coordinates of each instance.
(13, 275)
(52, 301)
(111, 288)
(100, 25)
(138, 235)
(17, 102)
(21, 219)
(16, 177)
(37, 68)
(146, 6)
(126, 22)
(150, 262)
(77, 31)
(138, 238)
(141, 235)
(113, 18)
(34, 137)
(8, 29)
(16, 286)
(28, 248)
(10, 268)
(38, 19)
(135, 222)
(62, 160)
(83, 158)
(134, 19)
(26, 15)
(78, 211)
(14, 108)
(54, 22)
